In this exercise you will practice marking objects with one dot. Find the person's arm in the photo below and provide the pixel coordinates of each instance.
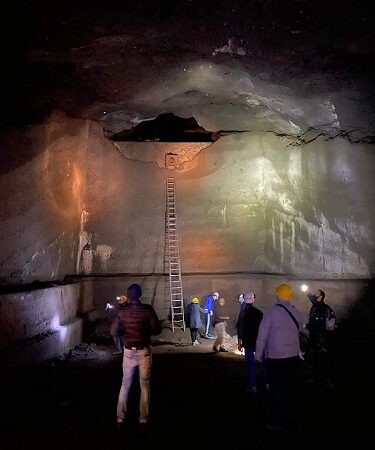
(262, 339)
(115, 327)
(155, 327)
(312, 298)
(330, 313)
(239, 324)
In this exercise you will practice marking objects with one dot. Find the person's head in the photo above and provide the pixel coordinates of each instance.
(241, 298)
(249, 297)
(221, 301)
(320, 295)
(134, 292)
(121, 299)
(215, 295)
(195, 300)
(284, 292)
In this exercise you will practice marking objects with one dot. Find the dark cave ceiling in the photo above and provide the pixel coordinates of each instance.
(291, 67)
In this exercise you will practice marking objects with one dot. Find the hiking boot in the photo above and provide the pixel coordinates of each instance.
(143, 427)
(119, 425)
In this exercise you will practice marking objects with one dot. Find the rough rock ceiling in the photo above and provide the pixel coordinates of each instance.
(296, 67)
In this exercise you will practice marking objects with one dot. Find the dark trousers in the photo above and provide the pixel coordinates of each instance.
(283, 380)
(193, 334)
(207, 323)
(320, 356)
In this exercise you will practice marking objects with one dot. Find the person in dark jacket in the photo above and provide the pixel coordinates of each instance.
(319, 338)
(139, 322)
(247, 332)
(193, 318)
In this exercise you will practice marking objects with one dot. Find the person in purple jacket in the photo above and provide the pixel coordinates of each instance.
(278, 344)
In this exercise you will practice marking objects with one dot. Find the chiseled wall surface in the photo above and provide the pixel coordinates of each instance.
(41, 184)
(41, 324)
(251, 202)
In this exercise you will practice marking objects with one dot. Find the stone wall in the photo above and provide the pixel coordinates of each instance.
(42, 188)
(251, 202)
(38, 325)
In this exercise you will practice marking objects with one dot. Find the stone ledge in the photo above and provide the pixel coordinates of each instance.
(41, 348)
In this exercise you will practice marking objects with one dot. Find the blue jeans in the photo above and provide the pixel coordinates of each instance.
(133, 359)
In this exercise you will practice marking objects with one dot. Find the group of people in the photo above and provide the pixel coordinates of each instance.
(215, 313)
(270, 341)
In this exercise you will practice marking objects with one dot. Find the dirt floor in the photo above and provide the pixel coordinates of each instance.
(198, 399)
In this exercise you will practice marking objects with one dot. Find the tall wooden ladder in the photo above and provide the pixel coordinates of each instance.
(173, 258)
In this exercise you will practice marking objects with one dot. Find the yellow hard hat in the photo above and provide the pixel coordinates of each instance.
(121, 299)
(284, 292)
(195, 300)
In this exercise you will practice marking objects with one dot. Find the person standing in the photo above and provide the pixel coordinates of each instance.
(247, 331)
(278, 343)
(193, 319)
(319, 338)
(220, 322)
(139, 322)
(209, 306)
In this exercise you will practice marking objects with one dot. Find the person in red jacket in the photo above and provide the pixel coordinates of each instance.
(138, 322)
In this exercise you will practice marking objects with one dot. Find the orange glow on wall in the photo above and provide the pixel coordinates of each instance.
(61, 179)
(206, 250)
